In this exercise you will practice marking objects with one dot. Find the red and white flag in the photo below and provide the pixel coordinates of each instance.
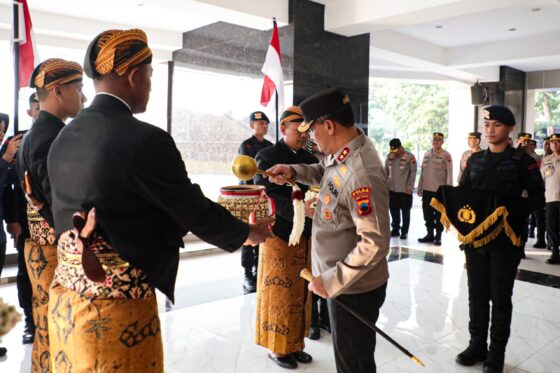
(272, 70)
(28, 56)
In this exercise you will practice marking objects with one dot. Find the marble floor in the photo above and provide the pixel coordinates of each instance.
(425, 310)
(211, 326)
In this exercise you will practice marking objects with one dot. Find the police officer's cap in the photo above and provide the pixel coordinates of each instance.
(555, 137)
(438, 136)
(394, 144)
(258, 115)
(524, 136)
(500, 113)
(474, 135)
(327, 101)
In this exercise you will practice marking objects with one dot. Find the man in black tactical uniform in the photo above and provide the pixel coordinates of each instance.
(258, 121)
(492, 268)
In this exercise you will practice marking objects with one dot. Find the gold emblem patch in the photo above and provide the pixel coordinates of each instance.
(328, 214)
(327, 199)
(337, 182)
(466, 215)
(346, 99)
(486, 114)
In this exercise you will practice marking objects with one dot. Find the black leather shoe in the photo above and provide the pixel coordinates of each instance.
(249, 284)
(302, 357)
(394, 233)
(287, 361)
(314, 333)
(403, 236)
(437, 241)
(471, 356)
(539, 245)
(426, 239)
(531, 234)
(29, 329)
(3, 351)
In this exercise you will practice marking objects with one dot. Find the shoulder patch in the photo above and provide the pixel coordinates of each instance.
(343, 154)
(363, 200)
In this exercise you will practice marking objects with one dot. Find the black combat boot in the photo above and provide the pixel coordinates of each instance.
(494, 362)
(29, 328)
(472, 355)
(555, 257)
(427, 238)
(437, 239)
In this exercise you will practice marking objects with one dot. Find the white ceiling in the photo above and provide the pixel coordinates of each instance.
(488, 26)
(473, 41)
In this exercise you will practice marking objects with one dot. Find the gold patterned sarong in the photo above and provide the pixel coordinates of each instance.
(110, 326)
(283, 301)
(41, 260)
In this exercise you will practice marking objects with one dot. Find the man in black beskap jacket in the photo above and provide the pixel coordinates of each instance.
(132, 174)
(287, 307)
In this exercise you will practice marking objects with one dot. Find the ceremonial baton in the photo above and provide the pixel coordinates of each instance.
(305, 274)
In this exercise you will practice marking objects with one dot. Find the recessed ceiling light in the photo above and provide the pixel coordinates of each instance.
(439, 26)
(536, 10)
(512, 29)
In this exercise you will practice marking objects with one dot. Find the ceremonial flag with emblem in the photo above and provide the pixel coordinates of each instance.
(479, 216)
(24, 41)
(272, 70)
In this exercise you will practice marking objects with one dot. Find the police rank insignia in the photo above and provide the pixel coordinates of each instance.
(362, 198)
(466, 215)
(327, 199)
(328, 214)
(343, 154)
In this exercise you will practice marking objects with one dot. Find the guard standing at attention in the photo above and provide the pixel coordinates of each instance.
(550, 171)
(437, 170)
(258, 121)
(491, 268)
(400, 166)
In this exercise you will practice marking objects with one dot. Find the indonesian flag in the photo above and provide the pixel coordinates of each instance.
(28, 56)
(272, 70)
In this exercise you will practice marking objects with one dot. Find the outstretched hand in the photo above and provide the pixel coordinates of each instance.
(280, 173)
(259, 231)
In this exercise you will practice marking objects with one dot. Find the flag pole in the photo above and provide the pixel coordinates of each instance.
(16, 64)
(276, 91)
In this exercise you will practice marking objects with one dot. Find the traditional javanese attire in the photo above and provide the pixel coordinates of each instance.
(132, 174)
(40, 248)
(283, 301)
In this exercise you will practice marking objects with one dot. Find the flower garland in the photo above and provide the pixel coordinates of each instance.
(299, 215)
(8, 317)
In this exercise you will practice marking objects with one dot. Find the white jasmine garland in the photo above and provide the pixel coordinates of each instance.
(299, 215)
